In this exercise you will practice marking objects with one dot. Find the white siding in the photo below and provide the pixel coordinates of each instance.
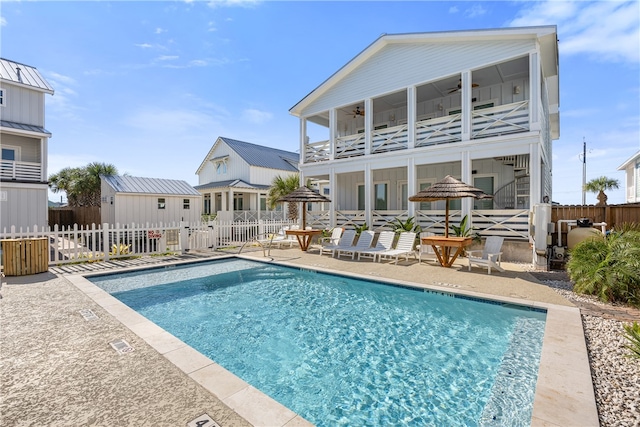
(237, 168)
(29, 147)
(398, 66)
(265, 176)
(23, 105)
(23, 205)
(107, 207)
(140, 209)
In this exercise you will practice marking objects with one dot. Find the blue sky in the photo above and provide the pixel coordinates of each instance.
(149, 86)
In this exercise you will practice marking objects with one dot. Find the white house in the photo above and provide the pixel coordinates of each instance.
(631, 169)
(235, 176)
(410, 109)
(24, 140)
(135, 200)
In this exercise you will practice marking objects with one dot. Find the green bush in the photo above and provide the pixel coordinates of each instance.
(632, 333)
(608, 268)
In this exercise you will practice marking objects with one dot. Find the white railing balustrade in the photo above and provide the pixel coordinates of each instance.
(439, 130)
(350, 219)
(510, 223)
(22, 171)
(389, 139)
(317, 151)
(350, 146)
(384, 219)
(500, 120)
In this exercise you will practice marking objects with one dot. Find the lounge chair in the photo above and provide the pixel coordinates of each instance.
(278, 240)
(489, 256)
(364, 242)
(405, 245)
(346, 240)
(384, 243)
(334, 239)
(426, 251)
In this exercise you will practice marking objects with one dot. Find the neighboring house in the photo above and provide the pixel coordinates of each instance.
(235, 176)
(410, 109)
(135, 200)
(24, 141)
(631, 169)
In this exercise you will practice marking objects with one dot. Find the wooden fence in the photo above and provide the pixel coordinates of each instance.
(68, 216)
(613, 215)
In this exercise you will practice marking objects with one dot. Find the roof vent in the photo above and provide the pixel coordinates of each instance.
(19, 75)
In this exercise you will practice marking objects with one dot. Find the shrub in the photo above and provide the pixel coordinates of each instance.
(632, 333)
(609, 268)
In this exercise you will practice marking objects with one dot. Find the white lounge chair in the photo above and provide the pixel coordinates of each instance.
(426, 251)
(489, 256)
(384, 243)
(334, 239)
(346, 240)
(405, 245)
(278, 240)
(364, 242)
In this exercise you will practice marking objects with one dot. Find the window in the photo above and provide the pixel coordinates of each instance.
(263, 203)
(424, 206)
(361, 197)
(485, 183)
(2, 98)
(185, 203)
(9, 154)
(221, 168)
(380, 191)
(238, 202)
(325, 191)
(161, 203)
(403, 196)
(207, 204)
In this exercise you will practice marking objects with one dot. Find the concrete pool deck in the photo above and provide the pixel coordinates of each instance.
(59, 369)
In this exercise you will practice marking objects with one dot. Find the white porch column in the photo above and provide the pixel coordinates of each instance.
(333, 195)
(411, 185)
(231, 207)
(535, 174)
(534, 91)
(43, 162)
(412, 97)
(466, 204)
(223, 198)
(303, 139)
(368, 125)
(333, 131)
(258, 194)
(466, 105)
(368, 193)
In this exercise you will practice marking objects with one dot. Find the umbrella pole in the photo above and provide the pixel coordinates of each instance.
(304, 215)
(446, 221)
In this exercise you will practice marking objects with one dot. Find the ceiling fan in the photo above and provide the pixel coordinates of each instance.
(357, 112)
(456, 89)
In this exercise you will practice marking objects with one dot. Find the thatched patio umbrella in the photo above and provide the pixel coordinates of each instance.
(305, 195)
(446, 189)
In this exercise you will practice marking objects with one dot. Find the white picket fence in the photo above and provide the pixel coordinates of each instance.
(104, 242)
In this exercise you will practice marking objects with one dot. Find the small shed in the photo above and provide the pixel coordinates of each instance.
(136, 200)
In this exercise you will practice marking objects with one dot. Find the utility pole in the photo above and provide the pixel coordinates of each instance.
(584, 171)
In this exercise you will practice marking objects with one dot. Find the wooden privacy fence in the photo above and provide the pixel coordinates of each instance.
(68, 216)
(613, 215)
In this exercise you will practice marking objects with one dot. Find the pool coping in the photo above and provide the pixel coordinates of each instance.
(564, 390)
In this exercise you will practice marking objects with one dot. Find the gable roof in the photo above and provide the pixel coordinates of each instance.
(27, 76)
(231, 183)
(631, 160)
(258, 155)
(545, 35)
(138, 185)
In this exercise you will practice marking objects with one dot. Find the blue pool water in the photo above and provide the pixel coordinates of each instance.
(345, 352)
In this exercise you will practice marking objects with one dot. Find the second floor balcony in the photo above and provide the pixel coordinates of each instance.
(11, 170)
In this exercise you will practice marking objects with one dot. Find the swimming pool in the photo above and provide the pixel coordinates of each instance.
(340, 351)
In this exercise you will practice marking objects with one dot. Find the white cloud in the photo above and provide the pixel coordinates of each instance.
(3, 21)
(476, 10)
(144, 45)
(167, 57)
(160, 30)
(62, 104)
(256, 116)
(453, 9)
(234, 3)
(606, 30)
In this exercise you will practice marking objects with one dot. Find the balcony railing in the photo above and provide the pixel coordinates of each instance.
(488, 122)
(20, 171)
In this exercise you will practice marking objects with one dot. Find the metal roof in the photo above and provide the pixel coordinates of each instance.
(25, 127)
(133, 184)
(235, 183)
(266, 157)
(28, 75)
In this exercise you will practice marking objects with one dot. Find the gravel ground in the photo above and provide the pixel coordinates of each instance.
(616, 378)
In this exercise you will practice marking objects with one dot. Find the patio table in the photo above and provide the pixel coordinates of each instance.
(442, 247)
(304, 236)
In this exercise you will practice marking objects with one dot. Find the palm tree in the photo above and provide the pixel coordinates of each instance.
(599, 185)
(281, 187)
(82, 185)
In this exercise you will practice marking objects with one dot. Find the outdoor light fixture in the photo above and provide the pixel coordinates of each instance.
(516, 90)
(440, 107)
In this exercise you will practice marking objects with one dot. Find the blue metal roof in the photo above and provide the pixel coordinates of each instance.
(266, 157)
(133, 184)
(23, 126)
(23, 74)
